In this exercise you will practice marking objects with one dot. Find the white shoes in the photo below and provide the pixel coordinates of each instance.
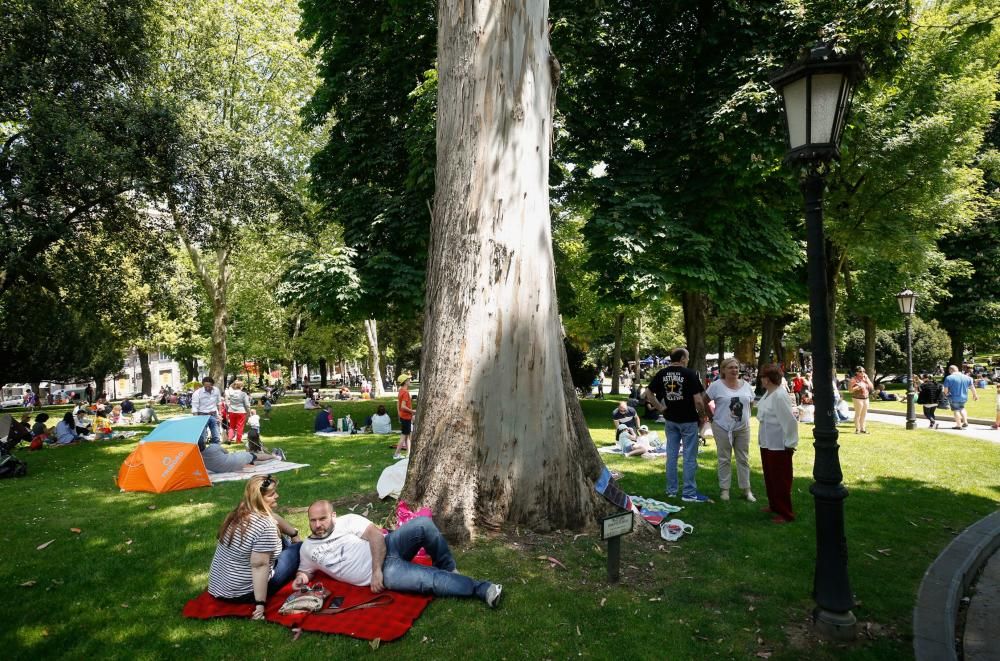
(749, 496)
(724, 495)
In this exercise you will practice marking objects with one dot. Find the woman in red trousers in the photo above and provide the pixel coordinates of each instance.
(779, 434)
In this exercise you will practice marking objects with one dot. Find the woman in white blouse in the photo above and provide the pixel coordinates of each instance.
(778, 436)
(731, 426)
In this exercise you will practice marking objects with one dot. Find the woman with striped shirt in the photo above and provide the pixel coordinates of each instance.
(253, 560)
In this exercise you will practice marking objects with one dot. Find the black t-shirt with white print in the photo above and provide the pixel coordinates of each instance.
(676, 387)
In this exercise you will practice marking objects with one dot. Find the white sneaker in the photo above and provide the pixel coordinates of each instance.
(397, 456)
(749, 496)
(493, 595)
(724, 495)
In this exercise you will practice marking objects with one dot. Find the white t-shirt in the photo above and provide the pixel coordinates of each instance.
(343, 554)
(254, 421)
(381, 424)
(732, 407)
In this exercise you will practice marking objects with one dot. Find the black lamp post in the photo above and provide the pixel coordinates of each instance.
(907, 305)
(817, 93)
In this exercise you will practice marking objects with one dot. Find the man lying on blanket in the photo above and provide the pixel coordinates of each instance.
(352, 550)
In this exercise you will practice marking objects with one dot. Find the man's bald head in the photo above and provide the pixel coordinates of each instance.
(321, 518)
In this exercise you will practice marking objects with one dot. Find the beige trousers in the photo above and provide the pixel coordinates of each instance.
(728, 444)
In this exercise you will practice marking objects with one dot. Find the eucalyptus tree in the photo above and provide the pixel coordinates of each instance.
(239, 76)
(502, 438)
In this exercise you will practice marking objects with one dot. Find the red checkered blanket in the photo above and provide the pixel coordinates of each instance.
(385, 623)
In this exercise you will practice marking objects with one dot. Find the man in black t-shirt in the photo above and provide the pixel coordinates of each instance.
(625, 414)
(677, 392)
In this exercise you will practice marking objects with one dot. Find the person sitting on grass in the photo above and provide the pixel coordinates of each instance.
(39, 432)
(66, 431)
(884, 396)
(344, 393)
(19, 431)
(257, 551)
(127, 407)
(102, 427)
(83, 425)
(650, 438)
(148, 414)
(381, 423)
(218, 460)
(351, 549)
(323, 423)
(310, 403)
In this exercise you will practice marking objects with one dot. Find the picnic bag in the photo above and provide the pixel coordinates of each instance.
(307, 600)
(11, 466)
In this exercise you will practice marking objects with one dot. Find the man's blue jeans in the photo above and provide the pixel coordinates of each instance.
(285, 566)
(213, 428)
(398, 573)
(676, 431)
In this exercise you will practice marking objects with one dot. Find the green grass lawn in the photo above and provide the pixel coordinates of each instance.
(737, 587)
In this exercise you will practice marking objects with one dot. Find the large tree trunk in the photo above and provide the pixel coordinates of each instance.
(766, 342)
(371, 332)
(322, 372)
(616, 358)
(869, 325)
(637, 377)
(695, 313)
(147, 374)
(191, 367)
(500, 436)
(957, 338)
(217, 287)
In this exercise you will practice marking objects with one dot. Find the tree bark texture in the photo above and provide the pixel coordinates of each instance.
(217, 288)
(957, 338)
(638, 343)
(371, 332)
(695, 315)
(869, 325)
(616, 358)
(322, 372)
(500, 436)
(146, 373)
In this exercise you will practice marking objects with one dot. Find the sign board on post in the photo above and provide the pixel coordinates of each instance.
(612, 529)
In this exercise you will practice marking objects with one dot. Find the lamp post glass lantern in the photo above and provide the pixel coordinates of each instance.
(817, 92)
(907, 301)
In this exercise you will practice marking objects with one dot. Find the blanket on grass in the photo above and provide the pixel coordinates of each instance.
(613, 449)
(332, 433)
(385, 623)
(262, 469)
(654, 511)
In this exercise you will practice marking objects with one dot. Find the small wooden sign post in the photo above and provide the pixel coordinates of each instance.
(612, 529)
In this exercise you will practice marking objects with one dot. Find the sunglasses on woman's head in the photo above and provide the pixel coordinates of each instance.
(266, 484)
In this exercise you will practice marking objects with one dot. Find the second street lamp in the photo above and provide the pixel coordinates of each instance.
(817, 92)
(907, 306)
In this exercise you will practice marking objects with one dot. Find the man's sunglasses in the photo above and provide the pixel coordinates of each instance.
(266, 484)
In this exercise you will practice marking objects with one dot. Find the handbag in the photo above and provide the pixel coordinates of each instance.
(306, 600)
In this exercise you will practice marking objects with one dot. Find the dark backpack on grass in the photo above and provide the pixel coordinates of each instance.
(11, 466)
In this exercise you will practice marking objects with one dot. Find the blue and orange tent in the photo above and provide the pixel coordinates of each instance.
(168, 459)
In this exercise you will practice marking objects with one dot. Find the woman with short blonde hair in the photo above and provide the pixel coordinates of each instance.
(238, 405)
(252, 559)
(732, 397)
